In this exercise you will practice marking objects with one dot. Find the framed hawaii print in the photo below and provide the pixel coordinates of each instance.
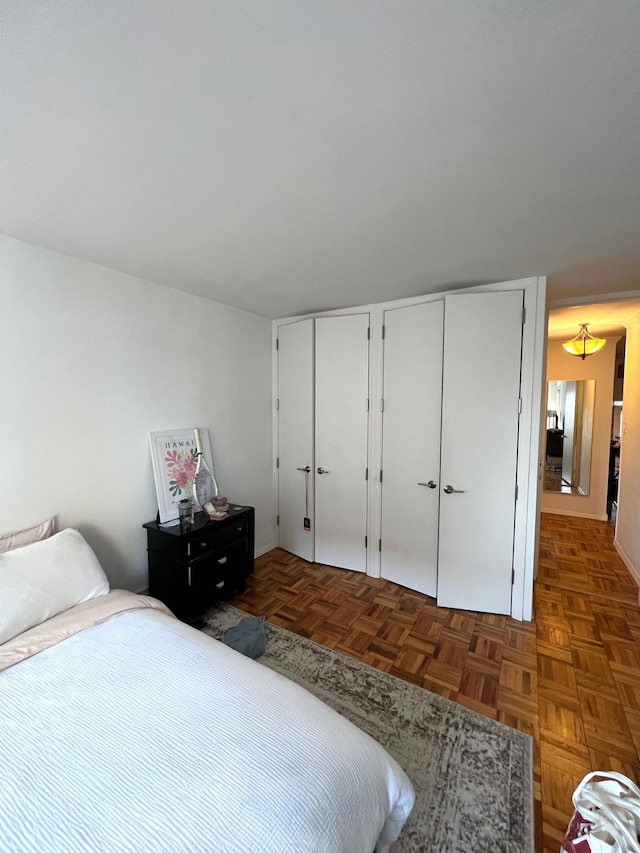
(174, 457)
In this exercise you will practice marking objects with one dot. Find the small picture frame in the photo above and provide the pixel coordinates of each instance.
(213, 512)
(174, 456)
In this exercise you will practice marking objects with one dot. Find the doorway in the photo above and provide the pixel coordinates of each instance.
(597, 496)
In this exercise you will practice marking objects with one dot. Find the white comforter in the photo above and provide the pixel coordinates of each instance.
(142, 734)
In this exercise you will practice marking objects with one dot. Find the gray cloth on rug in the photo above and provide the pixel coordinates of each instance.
(249, 636)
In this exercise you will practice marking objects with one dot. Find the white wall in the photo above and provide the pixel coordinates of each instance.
(628, 521)
(600, 366)
(91, 360)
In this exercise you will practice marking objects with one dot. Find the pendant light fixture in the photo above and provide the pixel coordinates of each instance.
(583, 344)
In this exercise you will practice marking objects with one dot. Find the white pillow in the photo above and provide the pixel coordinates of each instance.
(41, 580)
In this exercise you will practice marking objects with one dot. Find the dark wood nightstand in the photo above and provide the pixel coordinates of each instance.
(189, 570)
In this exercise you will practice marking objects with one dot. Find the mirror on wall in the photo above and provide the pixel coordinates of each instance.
(570, 405)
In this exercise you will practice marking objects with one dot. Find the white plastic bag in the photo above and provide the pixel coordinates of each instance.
(606, 817)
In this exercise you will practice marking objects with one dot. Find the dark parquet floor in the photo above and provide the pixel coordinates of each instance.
(570, 678)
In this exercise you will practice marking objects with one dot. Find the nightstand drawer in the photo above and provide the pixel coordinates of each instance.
(226, 563)
(213, 538)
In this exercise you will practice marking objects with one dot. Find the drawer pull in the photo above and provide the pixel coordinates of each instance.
(220, 585)
(222, 561)
(203, 544)
(188, 575)
(239, 529)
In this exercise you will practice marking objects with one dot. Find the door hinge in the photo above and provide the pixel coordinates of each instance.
(383, 330)
(381, 475)
(524, 315)
(367, 404)
(366, 474)
(516, 491)
(278, 520)
(382, 404)
(277, 343)
(277, 461)
(366, 541)
(519, 405)
(379, 544)
(369, 333)
(513, 576)
(277, 404)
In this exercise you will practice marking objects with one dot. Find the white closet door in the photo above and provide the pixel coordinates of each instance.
(411, 445)
(342, 387)
(481, 386)
(295, 438)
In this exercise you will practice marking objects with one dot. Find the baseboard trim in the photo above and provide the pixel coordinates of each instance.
(576, 514)
(633, 571)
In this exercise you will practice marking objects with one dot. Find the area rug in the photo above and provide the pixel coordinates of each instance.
(472, 776)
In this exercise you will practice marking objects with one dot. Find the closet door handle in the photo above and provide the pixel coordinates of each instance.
(430, 485)
(323, 471)
(306, 469)
(449, 490)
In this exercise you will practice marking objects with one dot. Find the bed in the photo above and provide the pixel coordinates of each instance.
(122, 728)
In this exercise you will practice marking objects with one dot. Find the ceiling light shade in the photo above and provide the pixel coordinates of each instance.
(583, 344)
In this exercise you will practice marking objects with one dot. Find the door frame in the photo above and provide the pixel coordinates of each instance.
(530, 462)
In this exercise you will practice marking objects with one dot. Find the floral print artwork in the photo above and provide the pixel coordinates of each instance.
(181, 469)
(175, 457)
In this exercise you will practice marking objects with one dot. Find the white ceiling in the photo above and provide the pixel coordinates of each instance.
(605, 318)
(290, 156)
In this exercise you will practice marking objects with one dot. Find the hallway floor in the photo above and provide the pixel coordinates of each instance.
(571, 678)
